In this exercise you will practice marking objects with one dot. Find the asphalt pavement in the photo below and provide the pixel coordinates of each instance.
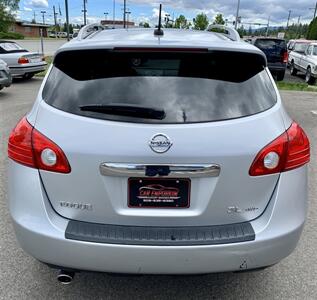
(22, 277)
(50, 45)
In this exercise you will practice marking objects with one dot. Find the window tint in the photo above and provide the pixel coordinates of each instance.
(315, 50)
(189, 87)
(271, 44)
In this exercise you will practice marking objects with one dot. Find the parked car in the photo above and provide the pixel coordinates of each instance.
(143, 110)
(276, 54)
(21, 62)
(303, 58)
(5, 75)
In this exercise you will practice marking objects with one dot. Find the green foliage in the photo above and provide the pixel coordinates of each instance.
(7, 7)
(71, 28)
(219, 20)
(144, 24)
(312, 30)
(181, 22)
(201, 22)
(11, 36)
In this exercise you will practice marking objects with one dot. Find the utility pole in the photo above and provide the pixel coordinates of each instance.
(106, 15)
(34, 16)
(85, 13)
(67, 19)
(124, 13)
(128, 14)
(55, 21)
(298, 31)
(237, 15)
(289, 18)
(315, 13)
(43, 12)
(268, 25)
(114, 13)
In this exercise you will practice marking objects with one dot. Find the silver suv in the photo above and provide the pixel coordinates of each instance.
(143, 154)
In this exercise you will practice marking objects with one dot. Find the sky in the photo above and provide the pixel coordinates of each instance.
(251, 11)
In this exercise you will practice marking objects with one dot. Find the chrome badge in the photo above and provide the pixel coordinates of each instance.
(160, 143)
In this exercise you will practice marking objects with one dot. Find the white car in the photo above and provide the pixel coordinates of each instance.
(5, 75)
(304, 59)
(21, 62)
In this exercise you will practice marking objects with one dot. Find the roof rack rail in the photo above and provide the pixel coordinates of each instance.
(231, 33)
(88, 30)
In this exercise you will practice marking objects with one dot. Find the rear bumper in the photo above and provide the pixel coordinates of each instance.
(25, 69)
(274, 68)
(41, 233)
(5, 79)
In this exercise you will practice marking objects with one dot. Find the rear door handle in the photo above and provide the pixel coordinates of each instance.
(176, 170)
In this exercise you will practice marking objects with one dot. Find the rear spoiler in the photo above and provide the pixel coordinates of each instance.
(230, 33)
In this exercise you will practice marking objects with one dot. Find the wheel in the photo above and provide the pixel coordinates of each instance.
(1, 87)
(309, 78)
(293, 69)
(280, 76)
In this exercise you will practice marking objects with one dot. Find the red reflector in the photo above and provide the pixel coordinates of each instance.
(293, 149)
(285, 57)
(23, 60)
(26, 145)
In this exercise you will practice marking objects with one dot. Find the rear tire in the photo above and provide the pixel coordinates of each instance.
(280, 76)
(1, 87)
(309, 78)
(28, 76)
(293, 69)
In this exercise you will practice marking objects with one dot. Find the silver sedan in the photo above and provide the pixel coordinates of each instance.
(21, 62)
(5, 75)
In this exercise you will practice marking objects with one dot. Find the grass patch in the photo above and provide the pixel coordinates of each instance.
(49, 60)
(291, 86)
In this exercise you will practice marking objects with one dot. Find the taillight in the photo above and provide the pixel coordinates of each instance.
(23, 60)
(29, 147)
(285, 57)
(289, 151)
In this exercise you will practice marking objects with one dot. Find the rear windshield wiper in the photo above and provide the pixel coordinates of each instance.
(126, 110)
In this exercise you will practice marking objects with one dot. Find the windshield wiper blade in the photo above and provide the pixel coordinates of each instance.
(126, 110)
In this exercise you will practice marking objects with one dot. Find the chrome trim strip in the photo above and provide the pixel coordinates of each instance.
(177, 170)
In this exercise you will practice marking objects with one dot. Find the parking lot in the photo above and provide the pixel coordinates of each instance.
(22, 277)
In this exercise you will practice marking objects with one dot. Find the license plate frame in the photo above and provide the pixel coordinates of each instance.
(159, 193)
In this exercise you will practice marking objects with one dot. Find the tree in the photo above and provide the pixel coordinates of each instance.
(7, 8)
(201, 22)
(144, 24)
(181, 22)
(312, 30)
(219, 20)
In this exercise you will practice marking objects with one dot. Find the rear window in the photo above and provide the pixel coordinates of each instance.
(190, 87)
(271, 44)
(9, 47)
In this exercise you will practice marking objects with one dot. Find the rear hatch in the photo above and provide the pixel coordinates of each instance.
(159, 138)
(274, 49)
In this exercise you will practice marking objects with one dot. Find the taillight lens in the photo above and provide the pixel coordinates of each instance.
(29, 147)
(289, 151)
(23, 60)
(285, 57)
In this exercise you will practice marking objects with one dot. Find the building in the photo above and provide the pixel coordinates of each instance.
(116, 24)
(30, 29)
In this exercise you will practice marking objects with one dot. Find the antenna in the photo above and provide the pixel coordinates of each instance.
(159, 31)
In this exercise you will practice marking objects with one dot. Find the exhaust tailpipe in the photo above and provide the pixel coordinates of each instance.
(65, 277)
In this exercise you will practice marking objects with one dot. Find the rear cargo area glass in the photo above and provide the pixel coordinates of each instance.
(191, 87)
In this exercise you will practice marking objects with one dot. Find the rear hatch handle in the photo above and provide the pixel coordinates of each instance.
(174, 170)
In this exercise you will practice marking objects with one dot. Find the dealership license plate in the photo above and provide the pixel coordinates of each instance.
(35, 60)
(158, 193)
